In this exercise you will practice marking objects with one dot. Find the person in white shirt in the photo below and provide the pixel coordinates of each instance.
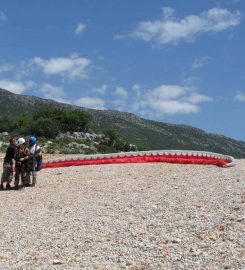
(35, 155)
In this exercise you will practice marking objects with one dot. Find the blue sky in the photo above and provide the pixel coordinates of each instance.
(173, 61)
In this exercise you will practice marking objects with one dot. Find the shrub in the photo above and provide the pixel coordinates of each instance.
(5, 124)
(116, 142)
(44, 127)
(68, 120)
(142, 147)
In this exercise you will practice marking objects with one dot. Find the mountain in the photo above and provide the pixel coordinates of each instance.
(153, 134)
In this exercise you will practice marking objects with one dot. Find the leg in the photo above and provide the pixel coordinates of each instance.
(23, 175)
(10, 178)
(17, 177)
(29, 169)
(7, 175)
(23, 178)
(2, 181)
(34, 178)
(27, 178)
(11, 175)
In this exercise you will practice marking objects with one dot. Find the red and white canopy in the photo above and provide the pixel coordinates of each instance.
(169, 156)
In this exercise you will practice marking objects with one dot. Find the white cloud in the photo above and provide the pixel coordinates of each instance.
(170, 99)
(167, 12)
(18, 71)
(72, 67)
(171, 30)
(121, 92)
(53, 92)
(168, 91)
(120, 101)
(119, 104)
(190, 81)
(240, 96)
(6, 68)
(173, 106)
(200, 62)
(196, 98)
(3, 17)
(16, 87)
(100, 90)
(80, 28)
(91, 102)
(136, 87)
(137, 90)
(30, 84)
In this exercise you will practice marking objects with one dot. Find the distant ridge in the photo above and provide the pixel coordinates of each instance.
(153, 134)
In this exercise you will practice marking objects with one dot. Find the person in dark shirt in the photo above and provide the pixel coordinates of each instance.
(7, 174)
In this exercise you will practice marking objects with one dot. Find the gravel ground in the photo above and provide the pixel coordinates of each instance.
(127, 216)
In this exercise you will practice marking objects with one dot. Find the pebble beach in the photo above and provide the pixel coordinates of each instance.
(126, 216)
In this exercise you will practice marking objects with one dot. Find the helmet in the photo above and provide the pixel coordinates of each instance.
(20, 141)
(32, 140)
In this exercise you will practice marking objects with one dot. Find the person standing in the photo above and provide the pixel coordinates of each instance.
(35, 156)
(21, 159)
(7, 174)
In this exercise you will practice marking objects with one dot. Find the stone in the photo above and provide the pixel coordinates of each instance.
(176, 240)
(237, 207)
(200, 236)
(197, 253)
(220, 227)
(4, 257)
(213, 237)
(240, 219)
(128, 263)
(57, 262)
(142, 232)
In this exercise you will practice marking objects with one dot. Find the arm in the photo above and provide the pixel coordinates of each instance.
(38, 152)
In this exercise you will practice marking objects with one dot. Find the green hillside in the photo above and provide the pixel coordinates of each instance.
(136, 130)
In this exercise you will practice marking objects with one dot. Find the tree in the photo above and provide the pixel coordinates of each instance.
(68, 120)
(116, 142)
(45, 127)
(21, 124)
(5, 123)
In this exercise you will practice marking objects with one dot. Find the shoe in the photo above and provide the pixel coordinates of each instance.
(26, 185)
(16, 187)
(8, 186)
(1, 187)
